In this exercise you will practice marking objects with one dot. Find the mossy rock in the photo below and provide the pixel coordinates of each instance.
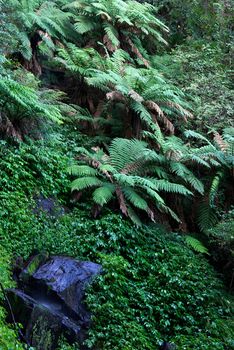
(32, 266)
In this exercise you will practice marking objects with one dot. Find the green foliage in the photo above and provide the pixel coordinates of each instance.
(149, 294)
(5, 270)
(8, 337)
(78, 61)
(153, 287)
(159, 282)
(211, 20)
(142, 92)
(63, 345)
(221, 245)
(196, 245)
(127, 173)
(203, 71)
(33, 22)
(220, 155)
(34, 168)
(127, 92)
(202, 342)
(118, 24)
(24, 106)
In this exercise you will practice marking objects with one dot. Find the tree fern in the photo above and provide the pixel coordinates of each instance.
(126, 85)
(33, 22)
(21, 104)
(123, 175)
(106, 20)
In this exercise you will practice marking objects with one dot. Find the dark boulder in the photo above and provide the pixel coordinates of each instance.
(167, 346)
(68, 279)
(51, 302)
(49, 206)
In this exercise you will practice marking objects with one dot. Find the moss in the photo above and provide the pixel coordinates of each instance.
(42, 337)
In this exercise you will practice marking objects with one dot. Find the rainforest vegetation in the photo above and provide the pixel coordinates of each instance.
(120, 112)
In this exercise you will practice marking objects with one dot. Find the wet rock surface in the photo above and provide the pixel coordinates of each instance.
(49, 206)
(49, 301)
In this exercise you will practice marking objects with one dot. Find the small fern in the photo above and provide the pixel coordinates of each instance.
(196, 245)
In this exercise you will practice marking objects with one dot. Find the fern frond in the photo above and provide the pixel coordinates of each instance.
(81, 170)
(112, 34)
(206, 216)
(163, 185)
(196, 245)
(186, 175)
(134, 217)
(215, 186)
(196, 135)
(84, 25)
(85, 183)
(102, 195)
(134, 198)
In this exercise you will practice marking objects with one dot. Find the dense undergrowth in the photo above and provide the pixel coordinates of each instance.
(154, 287)
(93, 100)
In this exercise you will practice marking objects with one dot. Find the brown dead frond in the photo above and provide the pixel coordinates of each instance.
(135, 96)
(99, 109)
(121, 201)
(161, 116)
(115, 96)
(137, 52)
(220, 141)
(108, 43)
(185, 114)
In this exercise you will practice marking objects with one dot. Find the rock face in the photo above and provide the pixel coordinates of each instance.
(50, 301)
(49, 206)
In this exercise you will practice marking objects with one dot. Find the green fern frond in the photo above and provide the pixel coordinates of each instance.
(123, 152)
(196, 135)
(206, 216)
(196, 245)
(81, 170)
(84, 25)
(134, 198)
(134, 217)
(112, 34)
(20, 101)
(215, 186)
(163, 185)
(102, 195)
(85, 183)
(195, 183)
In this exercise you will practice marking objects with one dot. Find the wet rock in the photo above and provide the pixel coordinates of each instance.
(51, 303)
(68, 279)
(49, 206)
(167, 346)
